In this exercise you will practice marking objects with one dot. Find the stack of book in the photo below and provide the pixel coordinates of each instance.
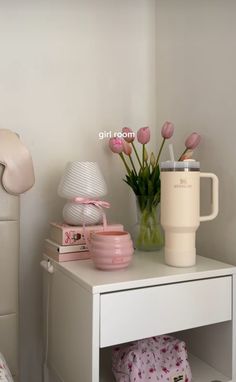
(66, 242)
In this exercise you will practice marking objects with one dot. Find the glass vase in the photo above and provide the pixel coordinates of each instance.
(148, 233)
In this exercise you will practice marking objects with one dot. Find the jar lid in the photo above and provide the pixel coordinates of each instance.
(185, 165)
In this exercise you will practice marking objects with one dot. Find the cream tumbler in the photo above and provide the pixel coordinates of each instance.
(180, 209)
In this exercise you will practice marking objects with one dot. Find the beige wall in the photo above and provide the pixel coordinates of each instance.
(196, 61)
(69, 69)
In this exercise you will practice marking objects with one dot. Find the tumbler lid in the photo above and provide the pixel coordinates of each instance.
(185, 165)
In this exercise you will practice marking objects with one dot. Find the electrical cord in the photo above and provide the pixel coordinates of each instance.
(48, 267)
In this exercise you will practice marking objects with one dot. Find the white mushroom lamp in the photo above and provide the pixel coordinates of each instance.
(81, 184)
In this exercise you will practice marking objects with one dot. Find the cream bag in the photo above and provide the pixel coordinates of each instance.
(18, 175)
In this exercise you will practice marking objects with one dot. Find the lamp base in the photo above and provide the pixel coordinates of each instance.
(77, 214)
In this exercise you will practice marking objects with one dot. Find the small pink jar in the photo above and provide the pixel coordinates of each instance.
(111, 250)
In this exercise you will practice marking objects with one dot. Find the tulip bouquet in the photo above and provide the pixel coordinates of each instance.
(143, 176)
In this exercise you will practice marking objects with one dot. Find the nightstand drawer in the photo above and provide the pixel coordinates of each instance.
(145, 312)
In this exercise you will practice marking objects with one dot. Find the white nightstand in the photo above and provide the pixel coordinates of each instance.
(92, 310)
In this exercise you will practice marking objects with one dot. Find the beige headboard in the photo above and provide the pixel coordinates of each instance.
(9, 277)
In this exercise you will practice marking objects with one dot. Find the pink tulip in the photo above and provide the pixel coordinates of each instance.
(192, 141)
(116, 145)
(128, 134)
(167, 130)
(127, 149)
(143, 135)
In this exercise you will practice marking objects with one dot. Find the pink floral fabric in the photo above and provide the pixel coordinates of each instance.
(160, 358)
(5, 375)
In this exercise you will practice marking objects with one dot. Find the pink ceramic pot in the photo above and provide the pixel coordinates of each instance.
(111, 249)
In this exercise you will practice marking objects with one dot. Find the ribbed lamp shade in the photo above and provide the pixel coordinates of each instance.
(82, 179)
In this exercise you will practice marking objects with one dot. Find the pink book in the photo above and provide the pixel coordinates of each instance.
(65, 234)
(54, 247)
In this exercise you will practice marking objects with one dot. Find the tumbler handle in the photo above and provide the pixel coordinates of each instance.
(214, 196)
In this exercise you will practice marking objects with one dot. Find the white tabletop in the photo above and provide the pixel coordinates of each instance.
(146, 269)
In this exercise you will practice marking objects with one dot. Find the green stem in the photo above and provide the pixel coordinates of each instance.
(132, 164)
(150, 235)
(136, 153)
(124, 161)
(159, 154)
(143, 154)
(183, 153)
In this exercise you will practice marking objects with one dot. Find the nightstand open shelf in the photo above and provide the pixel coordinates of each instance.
(92, 310)
(201, 371)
